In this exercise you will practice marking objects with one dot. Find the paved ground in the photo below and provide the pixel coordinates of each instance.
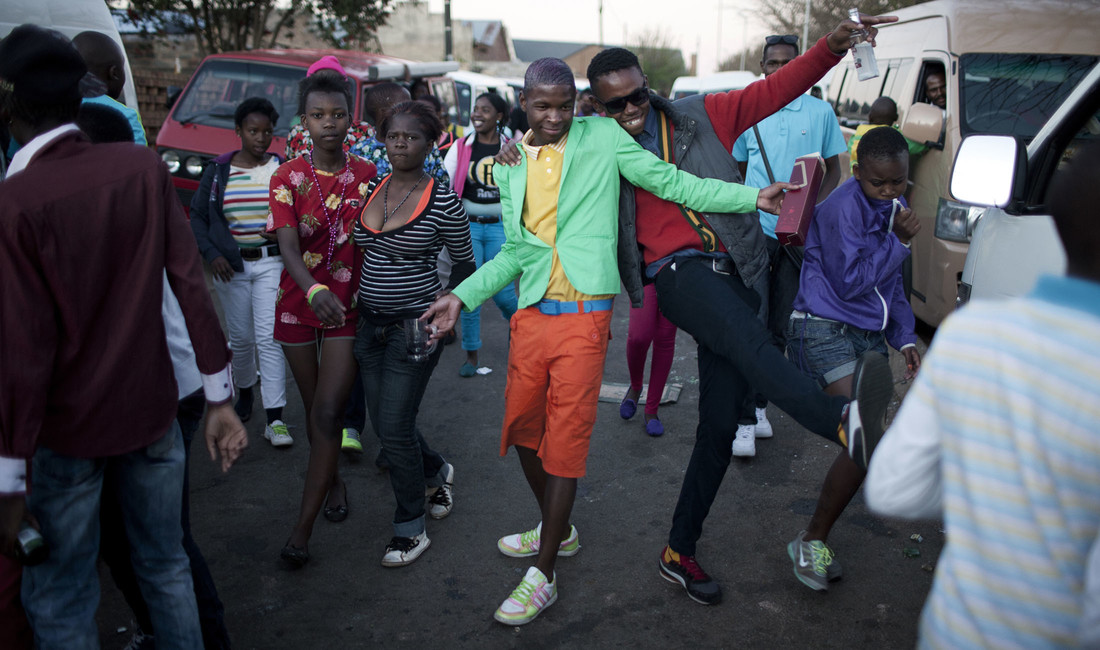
(610, 593)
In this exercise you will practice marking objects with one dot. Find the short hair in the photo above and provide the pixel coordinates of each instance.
(433, 100)
(1072, 197)
(103, 123)
(323, 81)
(254, 105)
(38, 113)
(883, 108)
(883, 143)
(425, 117)
(384, 95)
(499, 105)
(611, 60)
(548, 71)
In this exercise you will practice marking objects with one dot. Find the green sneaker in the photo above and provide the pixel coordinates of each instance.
(527, 544)
(533, 595)
(350, 442)
(813, 562)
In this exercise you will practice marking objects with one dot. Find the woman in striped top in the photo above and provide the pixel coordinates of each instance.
(407, 220)
(229, 219)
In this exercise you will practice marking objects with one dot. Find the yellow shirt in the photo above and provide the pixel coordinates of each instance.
(540, 211)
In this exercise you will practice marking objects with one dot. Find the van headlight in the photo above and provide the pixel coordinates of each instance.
(193, 165)
(172, 160)
(955, 221)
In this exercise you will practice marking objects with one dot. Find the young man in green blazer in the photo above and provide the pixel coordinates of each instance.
(560, 215)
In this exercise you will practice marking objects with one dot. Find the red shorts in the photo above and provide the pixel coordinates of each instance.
(555, 366)
(301, 334)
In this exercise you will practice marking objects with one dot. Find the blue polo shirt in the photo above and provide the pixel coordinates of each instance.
(806, 125)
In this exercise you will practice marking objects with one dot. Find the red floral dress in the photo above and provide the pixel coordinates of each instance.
(296, 203)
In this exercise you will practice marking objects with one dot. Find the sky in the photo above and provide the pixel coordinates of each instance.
(693, 25)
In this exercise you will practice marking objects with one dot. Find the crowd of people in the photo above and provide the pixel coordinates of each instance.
(550, 209)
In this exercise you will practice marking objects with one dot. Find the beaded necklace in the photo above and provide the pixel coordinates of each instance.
(332, 218)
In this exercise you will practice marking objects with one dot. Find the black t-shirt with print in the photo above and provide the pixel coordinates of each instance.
(480, 186)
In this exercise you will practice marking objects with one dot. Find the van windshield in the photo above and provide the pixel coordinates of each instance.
(1014, 94)
(220, 85)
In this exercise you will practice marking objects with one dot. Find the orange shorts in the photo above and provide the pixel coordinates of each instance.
(555, 366)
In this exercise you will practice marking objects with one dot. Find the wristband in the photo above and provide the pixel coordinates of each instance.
(314, 290)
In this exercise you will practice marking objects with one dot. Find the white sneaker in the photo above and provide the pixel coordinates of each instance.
(527, 601)
(744, 444)
(442, 498)
(277, 433)
(763, 427)
(404, 550)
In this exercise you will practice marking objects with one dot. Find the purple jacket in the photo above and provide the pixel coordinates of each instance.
(852, 268)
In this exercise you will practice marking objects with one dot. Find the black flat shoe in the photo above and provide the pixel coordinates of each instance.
(336, 514)
(294, 556)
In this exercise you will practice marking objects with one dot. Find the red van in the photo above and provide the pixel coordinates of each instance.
(200, 125)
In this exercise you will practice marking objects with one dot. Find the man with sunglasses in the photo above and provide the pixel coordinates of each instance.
(705, 265)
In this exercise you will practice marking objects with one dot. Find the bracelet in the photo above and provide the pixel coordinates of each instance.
(314, 290)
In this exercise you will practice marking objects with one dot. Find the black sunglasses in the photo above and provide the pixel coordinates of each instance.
(618, 105)
(785, 39)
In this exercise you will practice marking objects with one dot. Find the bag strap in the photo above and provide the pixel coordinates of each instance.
(763, 154)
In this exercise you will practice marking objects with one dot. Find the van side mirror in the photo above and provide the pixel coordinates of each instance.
(173, 94)
(985, 169)
(924, 123)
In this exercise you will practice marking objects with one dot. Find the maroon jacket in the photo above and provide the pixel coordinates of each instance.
(86, 233)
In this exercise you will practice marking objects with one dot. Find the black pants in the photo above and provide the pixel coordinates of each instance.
(114, 548)
(736, 355)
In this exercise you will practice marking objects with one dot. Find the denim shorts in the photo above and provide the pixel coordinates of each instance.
(827, 350)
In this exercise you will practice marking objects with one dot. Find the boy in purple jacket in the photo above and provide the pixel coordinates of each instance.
(851, 300)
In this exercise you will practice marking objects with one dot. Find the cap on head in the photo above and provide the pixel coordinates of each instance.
(327, 62)
(548, 71)
(40, 66)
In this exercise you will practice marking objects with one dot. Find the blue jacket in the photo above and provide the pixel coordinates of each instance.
(852, 269)
(208, 222)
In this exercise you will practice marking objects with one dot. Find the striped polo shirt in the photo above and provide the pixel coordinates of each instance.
(1002, 427)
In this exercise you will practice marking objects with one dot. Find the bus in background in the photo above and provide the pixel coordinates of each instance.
(200, 125)
(468, 85)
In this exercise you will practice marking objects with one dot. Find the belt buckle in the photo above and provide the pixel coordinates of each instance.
(714, 266)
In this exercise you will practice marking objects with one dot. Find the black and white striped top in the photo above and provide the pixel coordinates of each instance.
(399, 277)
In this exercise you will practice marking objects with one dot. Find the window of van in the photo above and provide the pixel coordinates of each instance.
(1015, 94)
(855, 97)
(220, 86)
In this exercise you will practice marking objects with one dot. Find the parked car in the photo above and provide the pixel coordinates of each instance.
(1008, 65)
(200, 125)
(1015, 240)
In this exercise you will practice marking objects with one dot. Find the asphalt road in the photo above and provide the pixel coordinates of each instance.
(610, 594)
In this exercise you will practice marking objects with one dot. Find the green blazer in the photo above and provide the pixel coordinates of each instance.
(597, 152)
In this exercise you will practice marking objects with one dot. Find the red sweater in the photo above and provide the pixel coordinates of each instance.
(662, 227)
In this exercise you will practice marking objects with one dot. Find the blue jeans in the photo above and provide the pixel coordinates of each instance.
(394, 387)
(62, 594)
(487, 239)
(115, 547)
(827, 350)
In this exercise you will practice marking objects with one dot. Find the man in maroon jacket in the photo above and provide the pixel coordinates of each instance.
(87, 233)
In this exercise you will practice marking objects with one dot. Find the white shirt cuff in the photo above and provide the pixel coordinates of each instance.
(218, 387)
(907, 345)
(13, 475)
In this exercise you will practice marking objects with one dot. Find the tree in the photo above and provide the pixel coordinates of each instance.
(660, 58)
(225, 25)
(733, 61)
(787, 16)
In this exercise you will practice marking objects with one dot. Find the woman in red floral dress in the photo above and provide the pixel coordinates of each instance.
(314, 202)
